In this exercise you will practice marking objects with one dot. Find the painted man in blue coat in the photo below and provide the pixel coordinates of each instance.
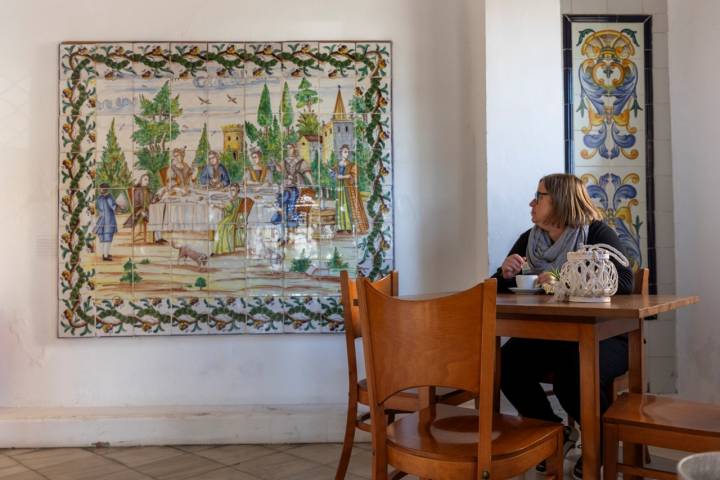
(106, 225)
(214, 175)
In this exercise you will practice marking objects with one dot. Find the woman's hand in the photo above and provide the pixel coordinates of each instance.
(512, 266)
(544, 277)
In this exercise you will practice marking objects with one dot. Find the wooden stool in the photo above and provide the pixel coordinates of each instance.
(660, 421)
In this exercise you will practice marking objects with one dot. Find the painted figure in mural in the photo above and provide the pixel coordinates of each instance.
(214, 175)
(180, 174)
(296, 174)
(106, 224)
(564, 218)
(350, 209)
(608, 91)
(141, 199)
(257, 173)
(230, 233)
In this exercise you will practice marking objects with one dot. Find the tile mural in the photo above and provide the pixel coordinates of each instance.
(608, 122)
(220, 188)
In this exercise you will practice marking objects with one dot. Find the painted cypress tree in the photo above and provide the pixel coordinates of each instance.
(288, 116)
(113, 168)
(264, 113)
(201, 153)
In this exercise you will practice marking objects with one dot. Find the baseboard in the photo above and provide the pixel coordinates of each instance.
(131, 426)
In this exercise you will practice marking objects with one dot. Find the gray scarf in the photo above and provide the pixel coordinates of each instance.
(543, 255)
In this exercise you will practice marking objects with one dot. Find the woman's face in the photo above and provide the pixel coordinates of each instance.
(541, 207)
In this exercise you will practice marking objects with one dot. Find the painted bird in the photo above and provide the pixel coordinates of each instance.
(222, 72)
(232, 99)
(267, 50)
(257, 72)
(296, 73)
(358, 92)
(185, 75)
(147, 74)
(204, 101)
(333, 74)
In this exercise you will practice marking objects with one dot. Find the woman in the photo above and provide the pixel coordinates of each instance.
(257, 172)
(564, 218)
(231, 229)
(350, 210)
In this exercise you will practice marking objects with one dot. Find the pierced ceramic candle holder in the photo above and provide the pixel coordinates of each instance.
(589, 275)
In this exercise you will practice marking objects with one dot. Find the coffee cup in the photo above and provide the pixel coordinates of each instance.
(526, 282)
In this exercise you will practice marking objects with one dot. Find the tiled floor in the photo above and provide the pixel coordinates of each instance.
(199, 462)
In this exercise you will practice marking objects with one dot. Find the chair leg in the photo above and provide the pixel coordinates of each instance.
(347, 441)
(379, 466)
(610, 454)
(555, 462)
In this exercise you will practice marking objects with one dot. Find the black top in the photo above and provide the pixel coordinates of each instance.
(598, 232)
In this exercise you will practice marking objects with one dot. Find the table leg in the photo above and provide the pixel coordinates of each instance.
(590, 401)
(633, 453)
(496, 379)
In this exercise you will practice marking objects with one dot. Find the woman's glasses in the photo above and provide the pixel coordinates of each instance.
(539, 195)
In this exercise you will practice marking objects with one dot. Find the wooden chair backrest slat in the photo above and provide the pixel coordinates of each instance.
(641, 283)
(447, 341)
(351, 311)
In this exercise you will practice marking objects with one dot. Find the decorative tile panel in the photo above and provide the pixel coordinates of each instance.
(220, 188)
(609, 123)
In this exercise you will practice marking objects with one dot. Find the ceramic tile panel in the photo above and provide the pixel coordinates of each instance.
(226, 60)
(301, 59)
(609, 125)
(265, 314)
(219, 188)
(302, 314)
(331, 315)
(114, 317)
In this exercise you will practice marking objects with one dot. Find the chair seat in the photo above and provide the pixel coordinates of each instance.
(453, 431)
(663, 413)
(408, 400)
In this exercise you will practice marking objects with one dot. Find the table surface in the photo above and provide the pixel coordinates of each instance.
(636, 306)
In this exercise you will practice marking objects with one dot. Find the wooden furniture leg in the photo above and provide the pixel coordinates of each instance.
(633, 453)
(590, 401)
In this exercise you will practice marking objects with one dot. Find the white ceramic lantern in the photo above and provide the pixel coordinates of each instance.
(589, 275)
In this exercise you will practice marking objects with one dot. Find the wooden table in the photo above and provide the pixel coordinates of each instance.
(541, 317)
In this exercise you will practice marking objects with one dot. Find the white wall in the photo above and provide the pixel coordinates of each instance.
(440, 209)
(524, 112)
(694, 40)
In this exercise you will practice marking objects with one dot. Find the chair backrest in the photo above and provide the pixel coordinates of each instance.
(433, 342)
(641, 284)
(348, 290)
(439, 342)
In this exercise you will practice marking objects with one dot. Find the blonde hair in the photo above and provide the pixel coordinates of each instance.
(572, 205)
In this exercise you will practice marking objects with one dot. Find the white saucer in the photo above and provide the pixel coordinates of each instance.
(526, 291)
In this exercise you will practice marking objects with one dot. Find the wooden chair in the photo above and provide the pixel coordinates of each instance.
(408, 401)
(659, 421)
(450, 342)
(641, 286)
